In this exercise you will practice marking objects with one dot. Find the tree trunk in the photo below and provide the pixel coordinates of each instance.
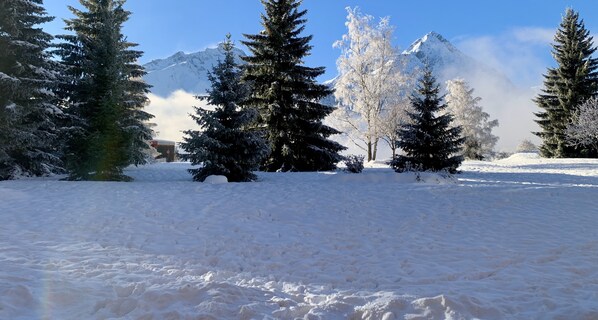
(375, 147)
(369, 151)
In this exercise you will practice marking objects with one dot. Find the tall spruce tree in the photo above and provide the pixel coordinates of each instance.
(105, 92)
(28, 111)
(226, 145)
(429, 141)
(566, 87)
(286, 93)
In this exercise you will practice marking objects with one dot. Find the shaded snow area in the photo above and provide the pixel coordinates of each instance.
(511, 239)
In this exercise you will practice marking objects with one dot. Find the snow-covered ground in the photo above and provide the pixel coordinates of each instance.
(511, 239)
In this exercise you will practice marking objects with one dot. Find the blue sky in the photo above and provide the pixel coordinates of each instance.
(494, 31)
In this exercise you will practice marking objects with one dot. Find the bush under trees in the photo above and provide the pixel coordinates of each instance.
(354, 163)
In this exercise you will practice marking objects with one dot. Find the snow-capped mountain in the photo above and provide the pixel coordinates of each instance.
(184, 71)
(448, 62)
(189, 72)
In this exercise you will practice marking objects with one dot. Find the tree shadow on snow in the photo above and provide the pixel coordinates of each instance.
(540, 179)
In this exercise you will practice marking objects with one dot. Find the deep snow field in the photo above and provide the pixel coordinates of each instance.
(511, 239)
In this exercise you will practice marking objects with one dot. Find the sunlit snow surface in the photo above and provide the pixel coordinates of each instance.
(511, 239)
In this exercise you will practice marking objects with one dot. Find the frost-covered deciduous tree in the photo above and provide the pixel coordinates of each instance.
(105, 92)
(468, 114)
(28, 109)
(391, 119)
(583, 129)
(369, 81)
(225, 145)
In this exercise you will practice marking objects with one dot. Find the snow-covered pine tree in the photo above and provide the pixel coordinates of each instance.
(105, 92)
(286, 93)
(475, 123)
(28, 111)
(429, 141)
(226, 145)
(566, 87)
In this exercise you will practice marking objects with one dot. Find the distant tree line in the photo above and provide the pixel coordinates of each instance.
(77, 107)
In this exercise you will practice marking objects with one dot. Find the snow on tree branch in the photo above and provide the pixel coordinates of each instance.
(583, 129)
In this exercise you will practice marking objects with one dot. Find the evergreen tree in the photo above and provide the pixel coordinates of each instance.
(566, 87)
(286, 94)
(429, 141)
(28, 112)
(105, 92)
(226, 146)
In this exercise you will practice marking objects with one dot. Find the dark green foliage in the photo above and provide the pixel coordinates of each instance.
(286, 94)
(28, 111)
(572, 82)
(104, 92)
(354, 163)
(226, 145)
(429, 141)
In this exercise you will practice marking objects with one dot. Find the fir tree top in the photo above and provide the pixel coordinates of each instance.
(573, 50)
(280, 48)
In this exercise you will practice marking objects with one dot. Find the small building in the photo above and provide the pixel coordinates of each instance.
(166, 150)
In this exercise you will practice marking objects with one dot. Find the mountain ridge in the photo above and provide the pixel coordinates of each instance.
(189, 71)
(184, 71)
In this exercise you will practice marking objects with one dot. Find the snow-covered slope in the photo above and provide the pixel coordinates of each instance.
(512, 239)
(181, 71)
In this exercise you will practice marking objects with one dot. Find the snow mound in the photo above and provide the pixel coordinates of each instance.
(215, 179)
(521, 156)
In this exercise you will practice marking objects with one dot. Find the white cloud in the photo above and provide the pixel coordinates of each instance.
(534, 35)
(172, 114)
(522, 54)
